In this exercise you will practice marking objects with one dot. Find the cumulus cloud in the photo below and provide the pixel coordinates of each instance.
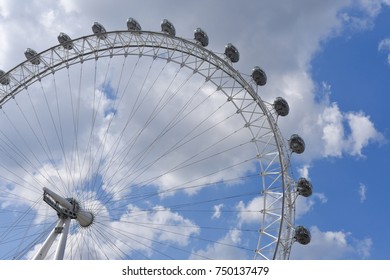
(331, 121)
(336, 141)
(362, 133)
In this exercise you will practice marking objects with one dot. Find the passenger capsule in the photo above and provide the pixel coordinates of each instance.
(32, 56)
(232, 53)
(99, 30)
(201, 37)
(259, 76)
(302, 235)
(65, 41)
(133, 25)
(281, 107)
(4, 78)
(304, 187)
(296, 143)
(167, 27)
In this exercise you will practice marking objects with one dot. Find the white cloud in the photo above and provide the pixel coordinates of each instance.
(305, 205)
(156, 224)
(249, 213)
(362, 14)
(331, 121)
(304, 171)
(332, 245)
(384, 45)
(225, 248)
(372, 7)
(362, 133)
(217, 211)
(69, 6)
(362, 192)
(364, 247)
(135, 234)
(336, 141)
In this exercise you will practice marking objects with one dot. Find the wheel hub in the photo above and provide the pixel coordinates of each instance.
(67, 208)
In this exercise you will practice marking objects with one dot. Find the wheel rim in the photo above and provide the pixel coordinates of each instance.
(216, 79)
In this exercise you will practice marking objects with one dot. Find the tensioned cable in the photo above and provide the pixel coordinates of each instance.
(133, 141)
(102, 145)
(180, 206)
(194, 187)
(204, 239)
(138, 164)
(137, 238)
(189, 140)
(95, 110)
(143, 168)
(191, 181)
(130, 115)
(13, 157)
(113, 151)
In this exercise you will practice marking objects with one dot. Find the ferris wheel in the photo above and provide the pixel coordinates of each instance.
(135, 144)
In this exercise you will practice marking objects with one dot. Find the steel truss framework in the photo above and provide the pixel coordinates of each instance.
(277, 225)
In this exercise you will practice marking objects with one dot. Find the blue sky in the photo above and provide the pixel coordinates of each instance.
(355, 68)
(329, 59)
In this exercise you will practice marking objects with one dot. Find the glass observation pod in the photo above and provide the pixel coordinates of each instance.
(99, 30)
(304, 187)
(167, 27)
(232, 53)
(32, 56)
(296, 143)
(259, 76)
(4, 78)
(302, 235)
(133, 25)
(201, 37)
(65, 40)
(281, 107)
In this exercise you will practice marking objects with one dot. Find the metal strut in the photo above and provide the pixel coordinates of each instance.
(61, 229)
(67, 209)
(61, 210)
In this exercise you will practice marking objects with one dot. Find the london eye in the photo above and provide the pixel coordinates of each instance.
(137, 144)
